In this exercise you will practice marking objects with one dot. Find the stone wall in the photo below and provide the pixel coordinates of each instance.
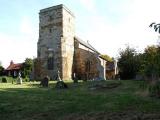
(56, 45)
(101, 66)
(56, 33)
(67, 45)
(84, 56)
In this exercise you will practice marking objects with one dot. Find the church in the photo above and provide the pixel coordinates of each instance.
(59, 50)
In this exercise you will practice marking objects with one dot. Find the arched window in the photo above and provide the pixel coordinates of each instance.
(50, 30)
(50, 63)
(39, 54)
(88, 66)
(50, 18)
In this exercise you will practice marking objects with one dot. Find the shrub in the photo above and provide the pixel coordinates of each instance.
(143, 85)
(75, 81)
(154, 89)
(4, 80)
(26, 80)
(85, 80)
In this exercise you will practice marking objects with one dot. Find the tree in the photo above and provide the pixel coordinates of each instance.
(155, 26)
(27, 67)
(151, 64)
(128, 63)
(1, 70)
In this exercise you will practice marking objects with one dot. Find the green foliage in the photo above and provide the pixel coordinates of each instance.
(9, 79)
(143, 85)
(147, 64)
(26, 79)
(75, 80)
(106, 57)
(156, 27)
(154, 89)
(1, 70)
(4, 80)
(27, 68)
(128, 63)
(151, 62)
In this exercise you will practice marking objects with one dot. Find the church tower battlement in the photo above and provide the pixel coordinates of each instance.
(55, 45)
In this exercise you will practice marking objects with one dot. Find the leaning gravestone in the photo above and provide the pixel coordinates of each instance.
(44, 81)
(60, 84)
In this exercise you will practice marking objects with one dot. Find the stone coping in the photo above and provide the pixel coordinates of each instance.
(56, 7)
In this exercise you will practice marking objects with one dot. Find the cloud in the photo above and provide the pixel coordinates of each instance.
(88, 4)
(16, 48)
(129, 26)
(108, 37)
(26, 26)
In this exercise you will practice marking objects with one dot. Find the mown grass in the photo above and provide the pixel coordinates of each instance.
(32, 102)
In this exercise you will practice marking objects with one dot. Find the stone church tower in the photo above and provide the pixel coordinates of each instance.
(56, 41)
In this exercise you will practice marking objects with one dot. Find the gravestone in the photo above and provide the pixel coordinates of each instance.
(75, 80)
(19, 80)
(60, 84)
(45, 81)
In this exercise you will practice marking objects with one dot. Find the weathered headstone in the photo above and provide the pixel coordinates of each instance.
(60, 84)
(58, 76)
(45, 81)
(75, 78)
(19, 80)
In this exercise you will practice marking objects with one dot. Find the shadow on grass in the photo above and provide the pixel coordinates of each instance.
(29, 86)
(32, 102)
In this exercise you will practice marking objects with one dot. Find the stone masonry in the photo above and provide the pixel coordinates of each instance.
(56, 40)
(59, 50)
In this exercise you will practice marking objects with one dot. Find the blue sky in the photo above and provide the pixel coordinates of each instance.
(107, 24)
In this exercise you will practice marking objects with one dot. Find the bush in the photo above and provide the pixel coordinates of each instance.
(85, 80)
(143, 85)
(4, 80)
(154, 90)
(8, 79)
(26, 80)
(75, 81)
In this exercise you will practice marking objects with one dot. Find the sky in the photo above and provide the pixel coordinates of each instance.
(108, 25)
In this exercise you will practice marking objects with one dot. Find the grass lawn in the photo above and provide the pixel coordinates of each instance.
(79, 102)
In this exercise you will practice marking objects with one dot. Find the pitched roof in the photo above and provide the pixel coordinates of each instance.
(86, 44)
(13, 66)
